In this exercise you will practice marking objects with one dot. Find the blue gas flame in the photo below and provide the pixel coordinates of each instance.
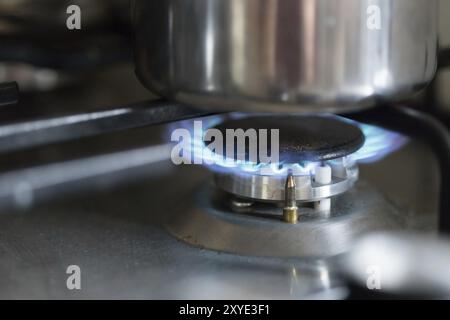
(379, 143)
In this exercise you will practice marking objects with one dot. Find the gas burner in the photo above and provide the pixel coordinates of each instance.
(313, 152)
(285, 209)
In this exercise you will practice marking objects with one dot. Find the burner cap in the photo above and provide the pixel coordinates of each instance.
(304, 138)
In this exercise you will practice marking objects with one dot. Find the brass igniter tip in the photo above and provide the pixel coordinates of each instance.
(290, 210)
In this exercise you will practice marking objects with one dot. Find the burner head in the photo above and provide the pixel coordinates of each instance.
(271, 188)
(304, 138)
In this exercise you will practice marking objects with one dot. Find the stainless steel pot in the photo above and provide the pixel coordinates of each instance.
(285, 55)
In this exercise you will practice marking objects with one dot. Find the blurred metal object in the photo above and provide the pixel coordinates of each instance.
(285, 55)
(9, 94)
(405, 264)
(23, 188)
(33, 78)
(23, 135)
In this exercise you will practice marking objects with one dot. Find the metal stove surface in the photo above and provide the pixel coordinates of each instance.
(118, 240)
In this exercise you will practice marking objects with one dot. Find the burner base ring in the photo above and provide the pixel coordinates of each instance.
(208, 224)
(266, 188)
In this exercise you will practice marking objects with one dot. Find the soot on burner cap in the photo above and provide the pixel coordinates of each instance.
(304, 138)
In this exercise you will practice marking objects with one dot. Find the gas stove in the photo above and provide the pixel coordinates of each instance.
(97, 188)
